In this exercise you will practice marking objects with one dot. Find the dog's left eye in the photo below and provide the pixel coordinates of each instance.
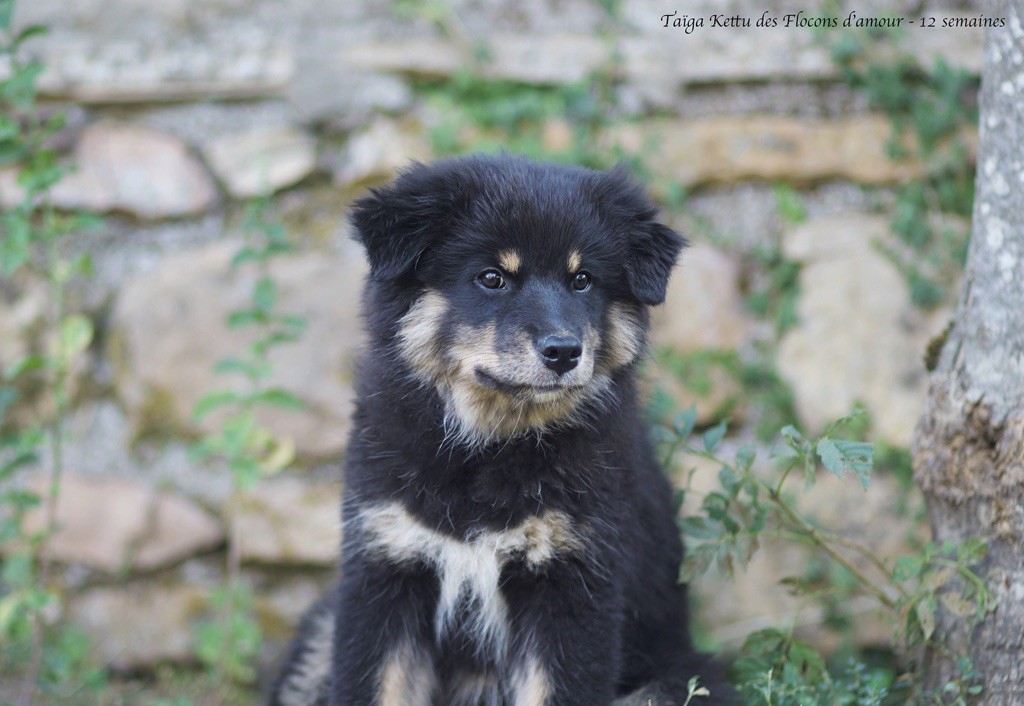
(491, 279)
(581, 282)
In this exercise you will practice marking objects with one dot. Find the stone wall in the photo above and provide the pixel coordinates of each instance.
(180, 110)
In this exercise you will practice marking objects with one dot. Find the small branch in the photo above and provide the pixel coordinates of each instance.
(822, 543)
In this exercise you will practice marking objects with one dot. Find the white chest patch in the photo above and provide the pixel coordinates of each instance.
(469, 570)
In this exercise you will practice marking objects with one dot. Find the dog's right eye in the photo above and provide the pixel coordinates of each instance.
(491, 279)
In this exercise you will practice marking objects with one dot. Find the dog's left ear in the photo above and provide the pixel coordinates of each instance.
(653, 247)
(653, 252)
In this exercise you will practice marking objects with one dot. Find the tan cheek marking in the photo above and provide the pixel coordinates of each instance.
(406, 680)
(531, 684)
(474, 347)
(418, 332)
(575, 261)
(510, 261)
(625, 338)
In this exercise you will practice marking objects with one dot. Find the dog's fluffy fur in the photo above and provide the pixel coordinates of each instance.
(510, 539)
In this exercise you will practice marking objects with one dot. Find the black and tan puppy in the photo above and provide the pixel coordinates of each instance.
(509, 537)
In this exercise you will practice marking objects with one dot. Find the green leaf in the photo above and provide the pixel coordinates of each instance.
(745, 458)
(247, 368)
(790, 207)
(41, 172)
(713, 437)
(246, 317)
(297, 323)
(18, 569)
(259, 348)
(277, 397)
(715, 506)
(925, 612)
(971, 551)
(728, 479)
(28, 364)
(6, 11)
(237, 433)
(56, 121)
(792, 436)
(856, 414)
(214, 400)
(684, 422)
(11, 608)
(701, 528)
(7, 397)
(246, 255)
(76, 332)
(246, 471)
(841, 455)
(11, 150)
(264, 295)
(662, 436)
(697, 562)
(14, 244)
(26, 34)
(785, 452)
(908, 567)
(9, 466)
(797, 585)
(20, 88)
(82, 265)
(10, 127)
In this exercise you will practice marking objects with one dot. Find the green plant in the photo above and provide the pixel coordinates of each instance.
(780, 670)
(931, 110)
(54, 657)
(229, 644)
(693, 688)
(476, 113)
(773, 289)
(767, 398)
(753, 501)
(789, 205)
(699, 372)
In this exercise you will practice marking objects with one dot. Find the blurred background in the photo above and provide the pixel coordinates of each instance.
(179, 304)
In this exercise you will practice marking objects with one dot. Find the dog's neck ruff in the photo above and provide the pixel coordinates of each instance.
(476, 416)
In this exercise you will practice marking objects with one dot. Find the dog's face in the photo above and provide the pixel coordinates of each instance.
(526, 285)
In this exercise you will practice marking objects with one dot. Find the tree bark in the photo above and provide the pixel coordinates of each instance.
(969, 449)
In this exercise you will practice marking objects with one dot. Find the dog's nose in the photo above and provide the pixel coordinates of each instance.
(560, 353)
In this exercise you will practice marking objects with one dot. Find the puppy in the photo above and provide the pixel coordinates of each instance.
(510, 539)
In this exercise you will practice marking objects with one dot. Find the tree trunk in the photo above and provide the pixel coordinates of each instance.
(969, 451)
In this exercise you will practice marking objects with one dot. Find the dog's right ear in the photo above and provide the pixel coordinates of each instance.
(398, 222)
(383, 226)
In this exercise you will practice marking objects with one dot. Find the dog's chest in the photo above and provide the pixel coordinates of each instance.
(470, 601)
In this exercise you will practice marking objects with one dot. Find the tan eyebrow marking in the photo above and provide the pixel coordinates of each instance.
(575, 261)
(510, 261)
